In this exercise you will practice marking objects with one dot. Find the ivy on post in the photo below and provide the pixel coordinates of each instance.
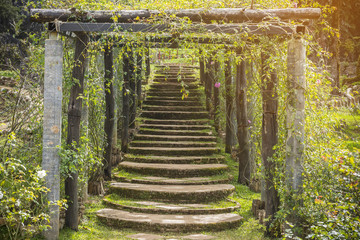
(269, 134)
(74, 119)
(216, 95)
(242, 122)
(202, 67)
(147, 62)
(52, 128)
(229, 133)
(139, 78)
(132, 84)
(208, 84)
(126, 99)
(295, 119)
(109, 110)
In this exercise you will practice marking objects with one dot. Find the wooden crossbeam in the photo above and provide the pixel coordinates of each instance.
(235, 15)
(158, 28)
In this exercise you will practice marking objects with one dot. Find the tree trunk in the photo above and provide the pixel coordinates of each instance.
(202, 67)
(269, 134)
(126, 100)
(242, 124)
(229, 137)
(74, 118)
(109, 112)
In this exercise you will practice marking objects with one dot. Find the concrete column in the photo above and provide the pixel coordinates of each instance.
(52, 127)
(295, 114)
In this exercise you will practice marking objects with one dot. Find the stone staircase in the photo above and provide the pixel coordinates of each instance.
(173, 179)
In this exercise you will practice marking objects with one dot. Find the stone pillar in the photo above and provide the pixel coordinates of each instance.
(52, 128)
(295, 114)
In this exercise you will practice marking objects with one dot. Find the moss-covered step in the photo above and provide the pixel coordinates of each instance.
(173, 108)
(173, 85)
(124, 176)
(176, 127)
(174, 138)
(172, 79)
(178, 102)
(168, 223)
(173, 98)
(176, 121)
(116, 202)
(174, 114)
(173, 170)
(171, 144)
(170, 132)
(157, 151)
(173, 193)
(175, 159)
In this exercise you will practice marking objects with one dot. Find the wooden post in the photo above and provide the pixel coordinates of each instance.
(242, 123)
(295, 119)
(202, 67)
(216, 76)
(52, 128)
(109, 111)
(139, 78)
(229, 133)
(208, 84)
(74, 118)
(126, 100)
(147, 63)
(132, 81)
(269, 134)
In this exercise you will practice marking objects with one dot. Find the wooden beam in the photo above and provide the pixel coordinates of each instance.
(236, 15)
(158, 28)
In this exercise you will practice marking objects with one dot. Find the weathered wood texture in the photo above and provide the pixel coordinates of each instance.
(74, 118)
(229, 99)
(139, 78)
(147, 63)
(132, 84)
(236, 15)
(109, 110)
(216, 75)
(52, 128)
(295, 114)
(202, 68)
(242, 124)
(126, 101)
(269, 134)
(157, 28)
(208, 84)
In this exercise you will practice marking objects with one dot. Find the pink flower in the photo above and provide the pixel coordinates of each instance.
(295, 5)
(318, 82)
(217, 85)
(249, 121)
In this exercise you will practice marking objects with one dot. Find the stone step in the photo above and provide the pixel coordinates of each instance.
(150, 131)
(172, 93)
(172, 85)
(173, 170)
(181, 115)
(148, 137)
(173, 193)
(116, 202)
(178, 102)
(167, 79)
(176, 127)
(171, 144)
(173, 108)
(178, 98)
(199, 151)
(144, 179)
(168, 222)
(176, 122)
(175, 159)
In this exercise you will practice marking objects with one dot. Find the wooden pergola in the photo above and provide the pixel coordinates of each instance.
(248, 22)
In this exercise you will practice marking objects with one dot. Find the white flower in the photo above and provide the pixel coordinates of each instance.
(41, 173)
(1, 195)
(17, 203)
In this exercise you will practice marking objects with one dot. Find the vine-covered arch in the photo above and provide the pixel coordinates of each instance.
(188, 26)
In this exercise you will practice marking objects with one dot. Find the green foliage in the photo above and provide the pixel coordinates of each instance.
(22, 192)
